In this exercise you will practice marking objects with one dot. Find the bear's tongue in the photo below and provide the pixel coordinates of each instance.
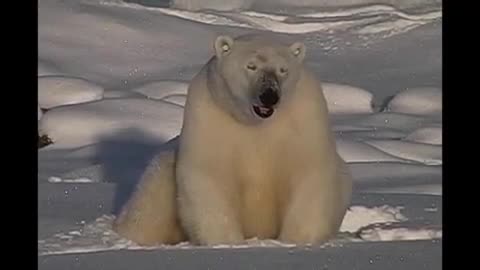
(263, 112)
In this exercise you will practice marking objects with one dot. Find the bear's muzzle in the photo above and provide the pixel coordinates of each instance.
(269, 94)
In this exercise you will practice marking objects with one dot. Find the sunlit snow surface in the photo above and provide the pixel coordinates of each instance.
(114, 78)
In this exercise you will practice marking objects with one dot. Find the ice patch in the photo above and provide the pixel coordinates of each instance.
(54, 91)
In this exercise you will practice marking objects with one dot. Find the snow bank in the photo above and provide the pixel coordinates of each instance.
(355, 18)
(121, 94)
(347, 99)
(276, 4)
(352, 151)
(83, 124)
(223, 5)
(423, 153)
(429, 135)
(420, 101)
(54, 91)
(162, 89)
(393, 120)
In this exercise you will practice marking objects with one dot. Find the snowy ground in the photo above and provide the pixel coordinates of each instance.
(114, 76)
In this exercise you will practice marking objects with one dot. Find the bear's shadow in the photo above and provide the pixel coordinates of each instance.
(124, 156)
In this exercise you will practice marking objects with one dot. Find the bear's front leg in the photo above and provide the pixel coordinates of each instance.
(208, 211)
(150, 216)
(315, 211)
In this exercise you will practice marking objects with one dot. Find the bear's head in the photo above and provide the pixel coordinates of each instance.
(255, 75)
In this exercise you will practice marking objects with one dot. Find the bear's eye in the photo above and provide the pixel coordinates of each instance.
(252, 67)
(283, 70)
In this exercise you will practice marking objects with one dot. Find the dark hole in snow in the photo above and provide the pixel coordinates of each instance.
(43, 141)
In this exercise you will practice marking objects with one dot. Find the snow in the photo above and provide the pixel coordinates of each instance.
(247, 4)
(54, 91)
(120, 94)
(45, 69)
(77, 180)
(80, 125)
(212, 4)
(39, 112)
(347, 99)
(162, 89)
(124, 70)
(358, 217)
(427, 154)
(429, 135)
(369, 223)
(363, 23)
(393, 234)
(420, 101)
(352, 151)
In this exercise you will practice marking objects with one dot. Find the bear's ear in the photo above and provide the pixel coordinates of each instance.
(298, 50)
(223, 46)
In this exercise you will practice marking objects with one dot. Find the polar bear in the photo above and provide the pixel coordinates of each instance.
(255, 156)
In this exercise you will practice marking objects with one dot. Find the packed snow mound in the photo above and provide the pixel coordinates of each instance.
(221, 5)
(420, 101)
(54, 91)
(423, 153)
(347, 99)
(120, 94)
(353, 151)
(162, 89)
(83, 124)
(232, 5)
(428, 135)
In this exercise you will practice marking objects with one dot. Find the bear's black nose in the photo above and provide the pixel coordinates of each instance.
(269, 97)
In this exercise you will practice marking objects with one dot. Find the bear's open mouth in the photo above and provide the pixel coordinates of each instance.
(263, 112)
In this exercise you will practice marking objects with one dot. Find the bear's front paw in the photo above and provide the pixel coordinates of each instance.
(214, 236)
(301, 235)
